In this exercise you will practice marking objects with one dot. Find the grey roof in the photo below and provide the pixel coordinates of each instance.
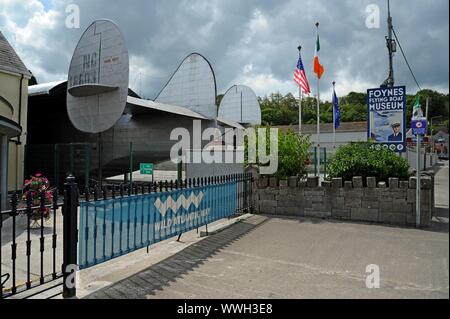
(442, 133)
(9, 60)
(146, 104)
(134, 105)
(43, 89)
(230, 123)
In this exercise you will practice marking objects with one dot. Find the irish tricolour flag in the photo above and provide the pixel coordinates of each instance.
(318, 68)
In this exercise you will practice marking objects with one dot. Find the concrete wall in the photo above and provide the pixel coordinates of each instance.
(387, 203)
(10, 91)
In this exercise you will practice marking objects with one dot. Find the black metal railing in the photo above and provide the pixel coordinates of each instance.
(116, 189)
(33, 254)
(23, 229)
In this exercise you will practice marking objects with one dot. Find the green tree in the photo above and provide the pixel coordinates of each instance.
(283, 110)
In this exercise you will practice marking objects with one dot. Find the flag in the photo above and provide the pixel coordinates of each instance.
(417, 109)
(300, 76)
(336, 110)
(318, 68)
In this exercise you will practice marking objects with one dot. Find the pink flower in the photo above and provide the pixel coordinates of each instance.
(38, 175)
(49, 196)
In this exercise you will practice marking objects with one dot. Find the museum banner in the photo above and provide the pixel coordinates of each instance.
(114, 227)
(387, 118)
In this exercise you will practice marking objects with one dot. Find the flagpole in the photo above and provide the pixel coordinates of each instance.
(318, 128)
(318, 117)
(300, 93)
(334, 120)
(300, 96)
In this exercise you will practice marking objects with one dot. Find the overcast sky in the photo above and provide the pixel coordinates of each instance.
(247, 42)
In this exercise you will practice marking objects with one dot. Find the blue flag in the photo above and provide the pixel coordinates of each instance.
(336, 110)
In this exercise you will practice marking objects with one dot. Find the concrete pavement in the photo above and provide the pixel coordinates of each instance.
(264, 257)
(441, 218)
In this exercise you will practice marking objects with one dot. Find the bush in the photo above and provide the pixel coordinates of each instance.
(293, 154)
(361, 159)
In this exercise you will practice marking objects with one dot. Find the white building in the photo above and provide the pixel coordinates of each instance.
(347, 132)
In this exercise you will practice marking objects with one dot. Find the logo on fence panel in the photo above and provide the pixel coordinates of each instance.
(181, 201)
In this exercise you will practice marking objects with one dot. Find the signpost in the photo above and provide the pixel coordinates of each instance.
(418, 182)
(419, 129)
(387, 117)
(147, 169)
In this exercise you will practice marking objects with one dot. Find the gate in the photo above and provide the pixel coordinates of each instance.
(30, 243)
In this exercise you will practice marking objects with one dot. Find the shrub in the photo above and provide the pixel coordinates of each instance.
(361, 159)
(293, 155)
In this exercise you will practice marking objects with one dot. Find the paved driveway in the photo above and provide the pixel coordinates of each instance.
(266, 257)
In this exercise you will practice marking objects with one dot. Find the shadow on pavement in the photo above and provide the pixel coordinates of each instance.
(169, 270)
(440, 220)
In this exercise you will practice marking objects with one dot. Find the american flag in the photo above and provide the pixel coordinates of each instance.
(300, 77)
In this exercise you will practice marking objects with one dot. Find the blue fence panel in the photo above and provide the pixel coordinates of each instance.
(114, 227)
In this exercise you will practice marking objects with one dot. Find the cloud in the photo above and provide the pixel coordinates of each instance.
(247, 42)
(266, 83)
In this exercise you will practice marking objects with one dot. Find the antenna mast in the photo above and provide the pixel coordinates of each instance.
(392, 48)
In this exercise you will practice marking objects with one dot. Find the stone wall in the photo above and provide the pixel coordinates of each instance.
(357, 200)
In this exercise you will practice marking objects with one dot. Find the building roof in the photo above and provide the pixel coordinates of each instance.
(141, 105)
(9, 127)
(135, 105)
(230, 123)
(43, 89)
(9, 60)
(441, 133)
(327, 127)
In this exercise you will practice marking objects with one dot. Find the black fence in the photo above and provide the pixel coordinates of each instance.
(116, 189)
(39, 234)
(24, 230)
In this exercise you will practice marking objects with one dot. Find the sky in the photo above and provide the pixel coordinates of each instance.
(248, 42)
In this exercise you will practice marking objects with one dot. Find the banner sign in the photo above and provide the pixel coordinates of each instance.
(387, 118)
(424, 141)
(419, 126)
(114, 227)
